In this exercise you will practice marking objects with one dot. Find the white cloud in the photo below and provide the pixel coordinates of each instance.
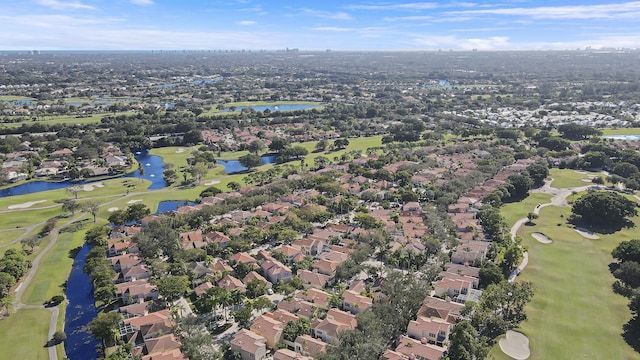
(332, 29)
(65, 5)
(454, 42)
(628, 10)
(409, 18)
(141, 2)
(246, 22)
(395, 6)
(326, 14)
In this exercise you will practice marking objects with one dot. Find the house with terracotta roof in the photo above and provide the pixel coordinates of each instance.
(245, 258)
(148, 326)
(328, 330)
(354, 302)
(229, 283)
(252, 275)
(451, 287)
(292, 254)
(419, 350)
(249, 345)
(464, 270)
(192, 239)
(309, 346)
(138, 272)
(286, 354)
(314, 279)
(433, 307)
(393, 355)
(174, 354)
(299, 307)
(343, 317)
(470, 252)
(310, 246)
(125, 261)
(221, 265)
(275, 271)
(435, 330)
(282, 315)
(326, 267)
(161, 344)
(218, 238)
(271, 329)
(202, 288)
(133, 291)
(318, 297)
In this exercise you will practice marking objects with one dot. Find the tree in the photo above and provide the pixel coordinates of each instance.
(554, 143)
(322, 145)
(538, 172)
(501, 307)
(256, 288)
(170, 176)
(70, 205)
(172, 287)
(74, 190)
(278, 144)
(234, 186)
(118, 217)
(198, 171)
(6, 282)
(629, 273)
(261, 303)
(243, 318)
(464, 343)
(627, 251)
(31, 242)
(576, 132)
(250, 161)
(105, 326)
(521, 184)
(293, 329)
(210, 191)
(158, 239)
(366, 221)
(136, 212)
(604, 208)
(59, 337)
(624, 169)
(92, 207)
(532, 216)
(490, 273)
(340, 143)
(594, 160)
(96, 236)
(256, 146)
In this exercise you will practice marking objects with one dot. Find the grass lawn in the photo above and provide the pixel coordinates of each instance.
(9, 235)
(54, 268)
(66, 119)
(513, 212)
(567, 178)
(24, 334)
(621, 131)
(574, 314)
(14, 98)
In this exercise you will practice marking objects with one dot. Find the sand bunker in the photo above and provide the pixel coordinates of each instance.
(587, 180)
(26, 205)
(516, 345)
(91, 187)
(587, 234)
(542, 238)
(180, 150)
(212, 182)
(112, 209)
(134, 201)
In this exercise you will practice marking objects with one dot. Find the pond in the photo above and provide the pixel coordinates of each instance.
(272, 108)
(234, 166)
(166, 206)
(80, 344)
(153, 168)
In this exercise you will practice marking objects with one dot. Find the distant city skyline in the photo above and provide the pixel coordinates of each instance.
(317, 25)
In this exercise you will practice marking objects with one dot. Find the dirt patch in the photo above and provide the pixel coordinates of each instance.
(587, 234)
(26, 205)
(112, 209)
(91, 187)
(542, 238)
(134, 201)
(516, 345)
(212, 182)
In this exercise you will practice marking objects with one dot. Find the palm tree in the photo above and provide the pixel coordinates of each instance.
(237, 298)
(224, 299)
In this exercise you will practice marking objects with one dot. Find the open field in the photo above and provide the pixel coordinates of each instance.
(14, 98)
(24, 334)
(513, 212)
(8, 236)
(621, 131)
(574, 314)
(567, 178)
(65, 119)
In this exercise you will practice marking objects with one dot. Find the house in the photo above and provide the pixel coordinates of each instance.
(326, 267)
(125, 261)
(451, 287)
(313, 279)
(310, 246)
(252, 275)
(318, 297)
(202, 288)
(464, 270)
(218, 238)
(435, 330)
(229, 283)
(149, 326)
(299, 307)
(286, 354)
(282, 315)
(443, 309)
(133, 291)
(245, 258)
(393, 355)
(354, 302)
(419, 350)
(138, 272)
(249, 345)
(470, 252)
(192, 239)
(309, 346)
(343, 317)
(174, 354)
(275, 271)
(161, 344)
(271, 329)
(292, 254)
(328, 330)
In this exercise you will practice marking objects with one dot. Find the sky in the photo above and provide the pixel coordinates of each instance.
(317, 25)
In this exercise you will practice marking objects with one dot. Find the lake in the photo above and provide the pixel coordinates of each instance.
(234, 166)
(272, 108)
(166, 206)
(80, 344)
(153, 168)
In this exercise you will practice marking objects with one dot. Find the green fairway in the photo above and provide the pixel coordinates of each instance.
(24, 334)
(574, 314)
(621, 131)
(566, 178)
(54, 269)
(66, 119)
(513, 212)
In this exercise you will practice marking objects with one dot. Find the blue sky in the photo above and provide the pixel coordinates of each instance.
(317, 25)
